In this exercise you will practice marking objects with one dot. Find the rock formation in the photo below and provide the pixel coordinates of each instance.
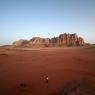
(20, 43)
(39, 42)
(62, 40)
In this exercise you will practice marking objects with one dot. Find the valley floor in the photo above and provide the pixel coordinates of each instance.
(31, 67)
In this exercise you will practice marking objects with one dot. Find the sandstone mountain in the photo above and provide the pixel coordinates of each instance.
(62, 40)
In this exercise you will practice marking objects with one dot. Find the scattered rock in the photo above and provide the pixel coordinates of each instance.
(23, 85)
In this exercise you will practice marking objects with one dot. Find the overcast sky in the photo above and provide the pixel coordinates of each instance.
(23, 19)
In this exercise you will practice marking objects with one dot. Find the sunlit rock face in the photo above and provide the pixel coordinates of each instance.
(67, 40)
(39, 42)
(62, 40)
(20, 43)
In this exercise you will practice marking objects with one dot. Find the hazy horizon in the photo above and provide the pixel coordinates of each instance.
(24, 19)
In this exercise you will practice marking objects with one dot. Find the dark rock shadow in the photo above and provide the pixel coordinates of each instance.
(78, 87)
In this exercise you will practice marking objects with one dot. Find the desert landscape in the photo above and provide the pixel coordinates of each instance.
(47, 47)
(71, 71)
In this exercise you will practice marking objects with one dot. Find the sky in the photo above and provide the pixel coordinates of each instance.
(24, 19)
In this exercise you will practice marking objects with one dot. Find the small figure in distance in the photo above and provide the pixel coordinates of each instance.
(47, 79)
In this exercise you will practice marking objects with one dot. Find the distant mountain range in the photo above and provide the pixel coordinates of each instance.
(62, 40)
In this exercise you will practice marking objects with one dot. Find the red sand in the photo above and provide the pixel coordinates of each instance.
(33, 66)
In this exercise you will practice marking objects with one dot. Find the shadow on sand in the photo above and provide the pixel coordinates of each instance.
(78, 87)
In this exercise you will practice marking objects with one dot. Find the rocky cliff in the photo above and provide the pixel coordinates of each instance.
(62, 40)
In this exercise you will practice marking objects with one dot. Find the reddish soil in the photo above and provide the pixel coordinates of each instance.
(24, 72)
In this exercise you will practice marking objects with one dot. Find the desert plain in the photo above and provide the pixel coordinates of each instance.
(71, 71)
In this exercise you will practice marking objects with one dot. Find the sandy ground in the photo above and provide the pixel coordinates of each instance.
(31, 67)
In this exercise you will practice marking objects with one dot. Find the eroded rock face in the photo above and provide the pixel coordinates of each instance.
(68, 40)
(80, 41)
(39, 42)
(20, 43)
(62, 40)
